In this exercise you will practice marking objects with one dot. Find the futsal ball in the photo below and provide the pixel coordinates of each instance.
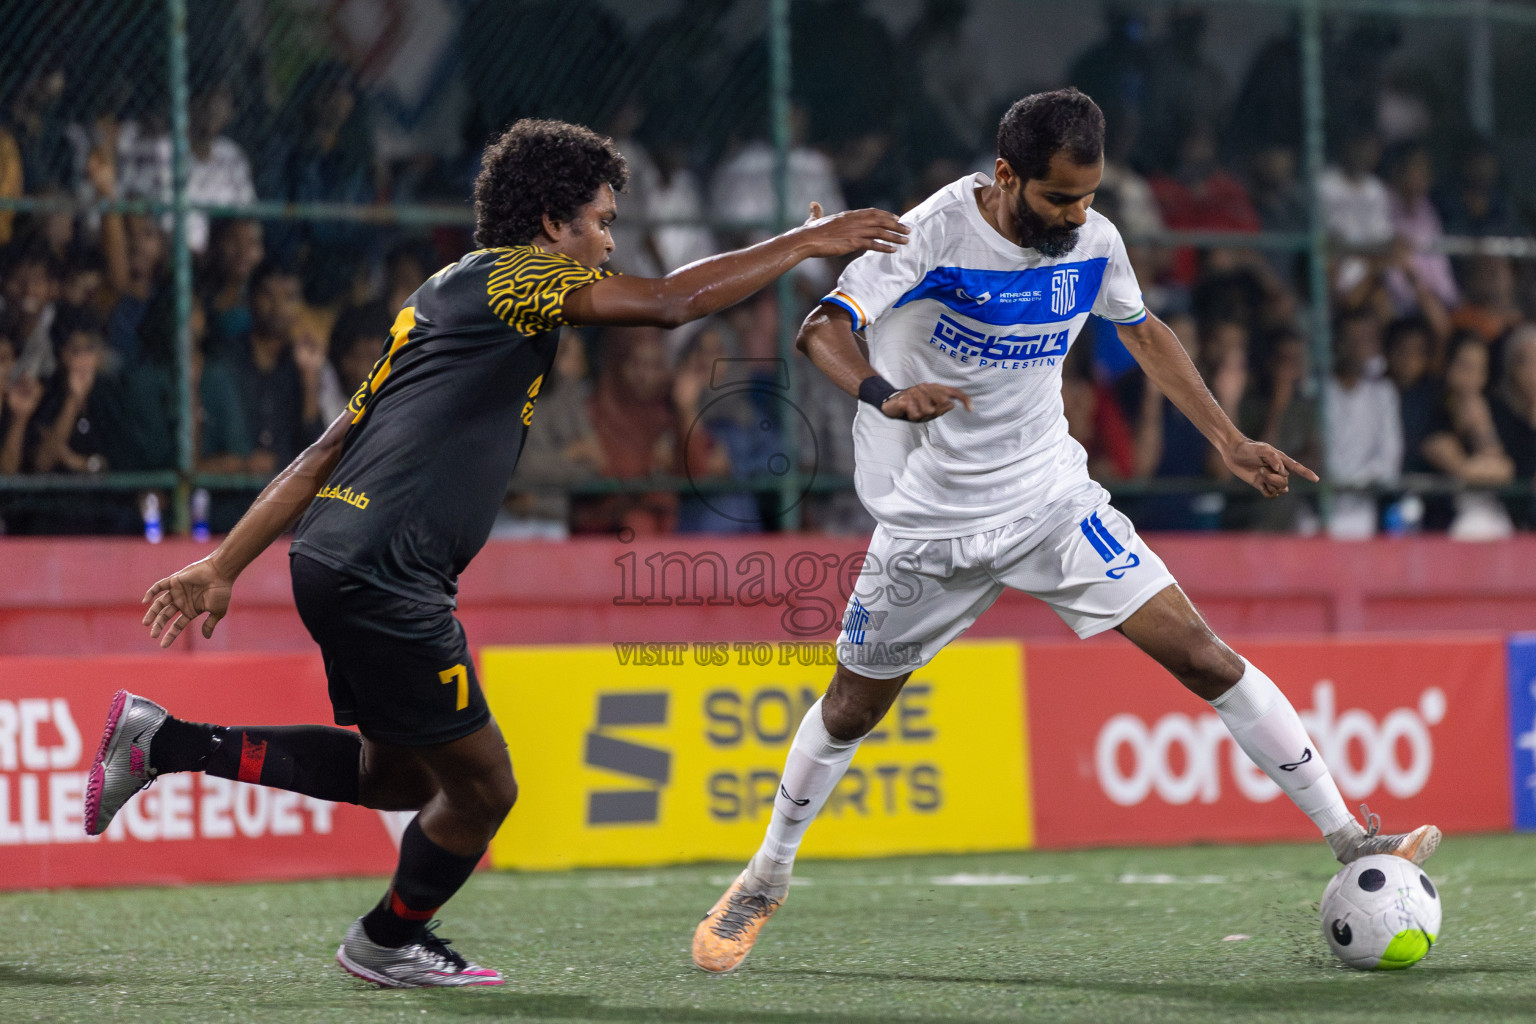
(1381, 913)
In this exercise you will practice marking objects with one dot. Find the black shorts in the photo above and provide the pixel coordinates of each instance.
(398, 669)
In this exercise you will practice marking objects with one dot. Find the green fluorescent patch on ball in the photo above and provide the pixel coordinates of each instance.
(1406, 949)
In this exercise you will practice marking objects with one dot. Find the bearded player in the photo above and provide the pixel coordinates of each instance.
(963, 459)
(393, 502)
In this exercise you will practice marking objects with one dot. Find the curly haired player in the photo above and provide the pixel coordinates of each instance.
(394, 501)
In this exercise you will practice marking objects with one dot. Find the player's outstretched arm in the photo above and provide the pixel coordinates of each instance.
(827, 338)
(205, 585)
(712, 284)
(1169, 369)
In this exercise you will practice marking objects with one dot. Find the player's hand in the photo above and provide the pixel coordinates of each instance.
(1264, 466)
(854, 231)
(309, 355)
(178, 599)
(101, 168)
(923, 402)
(23, 397)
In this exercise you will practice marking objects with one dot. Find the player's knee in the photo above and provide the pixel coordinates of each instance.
(487, 801)
(397, 800)
(505, 799)
(1209, 668)
(853, 705)
(392, 789)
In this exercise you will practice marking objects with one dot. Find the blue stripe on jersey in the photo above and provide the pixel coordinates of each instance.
(1002, 298)
(1094, 539)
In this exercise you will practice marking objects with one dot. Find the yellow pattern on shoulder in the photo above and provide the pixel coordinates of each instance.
(528, 286)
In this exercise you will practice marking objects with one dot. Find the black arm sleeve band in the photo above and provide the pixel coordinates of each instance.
(876, 390)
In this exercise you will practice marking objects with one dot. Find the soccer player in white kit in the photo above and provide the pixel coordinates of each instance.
(963, 459)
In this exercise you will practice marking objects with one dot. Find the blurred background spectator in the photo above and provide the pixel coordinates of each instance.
(277, 366)
(1364, 444)
(562, 449)
(645, 421)
(1463, 443)
(1422, 388)
(235, 250)
(69, 430)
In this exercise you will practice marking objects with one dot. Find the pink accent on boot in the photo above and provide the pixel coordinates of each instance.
(98, 773)
(93, 785)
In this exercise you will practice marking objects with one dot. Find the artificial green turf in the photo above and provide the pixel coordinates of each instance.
(1103, 936)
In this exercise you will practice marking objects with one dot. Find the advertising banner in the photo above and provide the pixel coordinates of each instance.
(1522, 728)
(1123, 754)
(184, 827)
(633, 754)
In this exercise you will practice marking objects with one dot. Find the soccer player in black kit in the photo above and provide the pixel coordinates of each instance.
(394, 500)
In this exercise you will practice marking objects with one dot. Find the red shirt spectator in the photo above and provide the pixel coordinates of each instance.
(644, 418)
(1199, 196)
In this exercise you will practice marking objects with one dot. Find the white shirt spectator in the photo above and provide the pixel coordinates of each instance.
(631, 231)
(1365, 432)
(742, 193)
(35, 356)
(144, 172)
(1135, 207)
(681, 197)
(1357, 211)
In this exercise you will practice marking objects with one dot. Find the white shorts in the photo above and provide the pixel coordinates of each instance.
(915, 596)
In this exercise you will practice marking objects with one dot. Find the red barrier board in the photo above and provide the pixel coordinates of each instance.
(1121, 753)
(184, 827)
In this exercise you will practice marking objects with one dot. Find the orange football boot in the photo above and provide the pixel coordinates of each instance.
(725, 936)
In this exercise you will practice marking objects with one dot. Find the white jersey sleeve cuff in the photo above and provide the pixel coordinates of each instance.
(846, 301)
(1135, 318)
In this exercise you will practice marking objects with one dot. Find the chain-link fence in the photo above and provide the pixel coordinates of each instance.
(211, 211)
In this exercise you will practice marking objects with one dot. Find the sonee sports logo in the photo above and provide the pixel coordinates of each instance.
(648, 764)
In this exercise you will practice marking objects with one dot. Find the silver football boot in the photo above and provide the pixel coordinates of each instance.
(424, 964)
(1352, 842)
(121, 767)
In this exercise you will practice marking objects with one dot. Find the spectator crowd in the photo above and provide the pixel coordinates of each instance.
(1429, 393)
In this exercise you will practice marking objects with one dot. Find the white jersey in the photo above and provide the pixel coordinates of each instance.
(961, 305)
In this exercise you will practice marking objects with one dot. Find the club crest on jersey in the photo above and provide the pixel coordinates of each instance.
(1064, 292)
(1000, 351)
(961, 293)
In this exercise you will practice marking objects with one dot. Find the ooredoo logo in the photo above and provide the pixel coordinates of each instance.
(1178, 756)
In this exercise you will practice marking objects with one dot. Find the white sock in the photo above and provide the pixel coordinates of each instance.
(815, 763)
(1269, 731)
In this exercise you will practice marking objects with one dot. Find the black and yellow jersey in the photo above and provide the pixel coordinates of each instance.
(440, 422)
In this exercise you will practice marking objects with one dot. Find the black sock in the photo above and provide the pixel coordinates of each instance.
(315, 760)
(181, 746)
(427, 876)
